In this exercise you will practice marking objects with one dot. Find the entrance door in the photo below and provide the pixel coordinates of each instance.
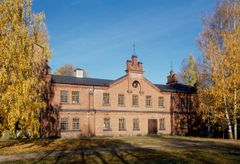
(152, 126)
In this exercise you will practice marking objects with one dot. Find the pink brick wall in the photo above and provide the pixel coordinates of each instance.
(91, 110)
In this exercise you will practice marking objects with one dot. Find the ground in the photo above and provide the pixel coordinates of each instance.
(128, 149)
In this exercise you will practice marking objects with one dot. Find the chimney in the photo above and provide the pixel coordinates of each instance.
(47, 69)
(78, 72)
(172, 78)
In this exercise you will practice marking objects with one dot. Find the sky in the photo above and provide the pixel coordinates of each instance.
(98, 35)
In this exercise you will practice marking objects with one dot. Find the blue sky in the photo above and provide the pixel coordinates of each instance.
(98, 35)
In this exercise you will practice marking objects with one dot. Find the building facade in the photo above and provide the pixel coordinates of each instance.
(130, 105)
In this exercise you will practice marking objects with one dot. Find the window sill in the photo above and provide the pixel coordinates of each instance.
(136, 129)
(135, 106)
(75, 103)
(64, 103)
(121, 105)
(162, 129)
(107, 129)
(106, 105)
(72, 130)
(122, 130)
(148, 106)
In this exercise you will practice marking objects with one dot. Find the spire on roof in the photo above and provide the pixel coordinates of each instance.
(134, 48)
(171, 78)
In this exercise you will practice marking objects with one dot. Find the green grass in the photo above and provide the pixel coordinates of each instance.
(134, 149)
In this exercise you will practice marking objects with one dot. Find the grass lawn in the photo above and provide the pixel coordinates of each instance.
(129, 149)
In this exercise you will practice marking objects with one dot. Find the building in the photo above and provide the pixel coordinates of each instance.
(129, 105)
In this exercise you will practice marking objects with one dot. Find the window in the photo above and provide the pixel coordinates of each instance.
(75, 123)
(121, 100)
(64, 123)
(106, 124)
(182, 124)
(182, 102)
(135, 100)
(189, 103)
(148, 101)
(122, 124)
(75, 97)
(106, 99)
(64, 97)
(160, 102)
(135, 84)
(162, 124)
(135, 124)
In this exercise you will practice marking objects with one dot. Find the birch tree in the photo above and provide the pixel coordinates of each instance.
(24, 50)
(220, 42)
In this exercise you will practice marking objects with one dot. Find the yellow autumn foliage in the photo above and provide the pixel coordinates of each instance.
(24, 50)
(220, 42)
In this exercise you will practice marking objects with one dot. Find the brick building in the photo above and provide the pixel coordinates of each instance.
(129, 105)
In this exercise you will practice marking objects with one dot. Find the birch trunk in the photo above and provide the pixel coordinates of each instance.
(228, 119)
(235, 111)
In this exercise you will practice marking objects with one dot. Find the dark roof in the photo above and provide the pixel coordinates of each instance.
(176, 88)
(78, 69)
(105, 82)
(80, 81)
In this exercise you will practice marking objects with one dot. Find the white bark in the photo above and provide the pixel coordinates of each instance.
(235, 111)
(228, 119)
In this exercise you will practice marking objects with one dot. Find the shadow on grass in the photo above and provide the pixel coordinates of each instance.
(105, 150)
(204, 150)
(119, 150)
(39, 142)
(188, 141)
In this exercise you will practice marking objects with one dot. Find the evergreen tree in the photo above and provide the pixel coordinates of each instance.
(190, 73)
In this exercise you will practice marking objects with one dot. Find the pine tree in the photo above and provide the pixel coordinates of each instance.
(24, 50)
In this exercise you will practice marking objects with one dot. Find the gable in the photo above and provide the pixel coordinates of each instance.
(134, 85)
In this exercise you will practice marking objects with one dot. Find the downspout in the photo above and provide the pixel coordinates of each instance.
(94, 121)
(171, 112)
(91, 109)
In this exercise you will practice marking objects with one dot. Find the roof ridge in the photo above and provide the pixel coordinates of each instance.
(81, 77)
